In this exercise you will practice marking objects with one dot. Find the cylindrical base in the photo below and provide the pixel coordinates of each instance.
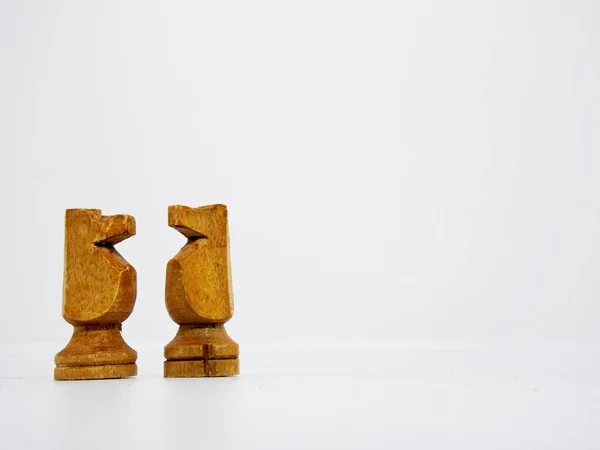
(202, 351)
(95, 352)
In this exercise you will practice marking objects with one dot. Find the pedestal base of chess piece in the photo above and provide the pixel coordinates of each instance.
(201, 351)
(95, 352)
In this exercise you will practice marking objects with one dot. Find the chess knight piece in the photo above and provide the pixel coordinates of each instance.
(199, 296)
(99, 291)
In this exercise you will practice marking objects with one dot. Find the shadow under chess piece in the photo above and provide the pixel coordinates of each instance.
(199, 296)
(99, 291)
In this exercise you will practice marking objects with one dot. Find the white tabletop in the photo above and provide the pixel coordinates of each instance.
(412, 395)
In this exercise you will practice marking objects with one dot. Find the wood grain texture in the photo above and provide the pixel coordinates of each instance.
(199, 295)
(99, 291)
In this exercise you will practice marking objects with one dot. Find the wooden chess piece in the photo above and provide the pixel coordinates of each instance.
(199, 296)
(99, 290)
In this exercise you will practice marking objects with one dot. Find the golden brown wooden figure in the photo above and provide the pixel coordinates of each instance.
(99, 290)
(199, 296)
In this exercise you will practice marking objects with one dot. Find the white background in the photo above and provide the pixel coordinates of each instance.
(419, 175)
